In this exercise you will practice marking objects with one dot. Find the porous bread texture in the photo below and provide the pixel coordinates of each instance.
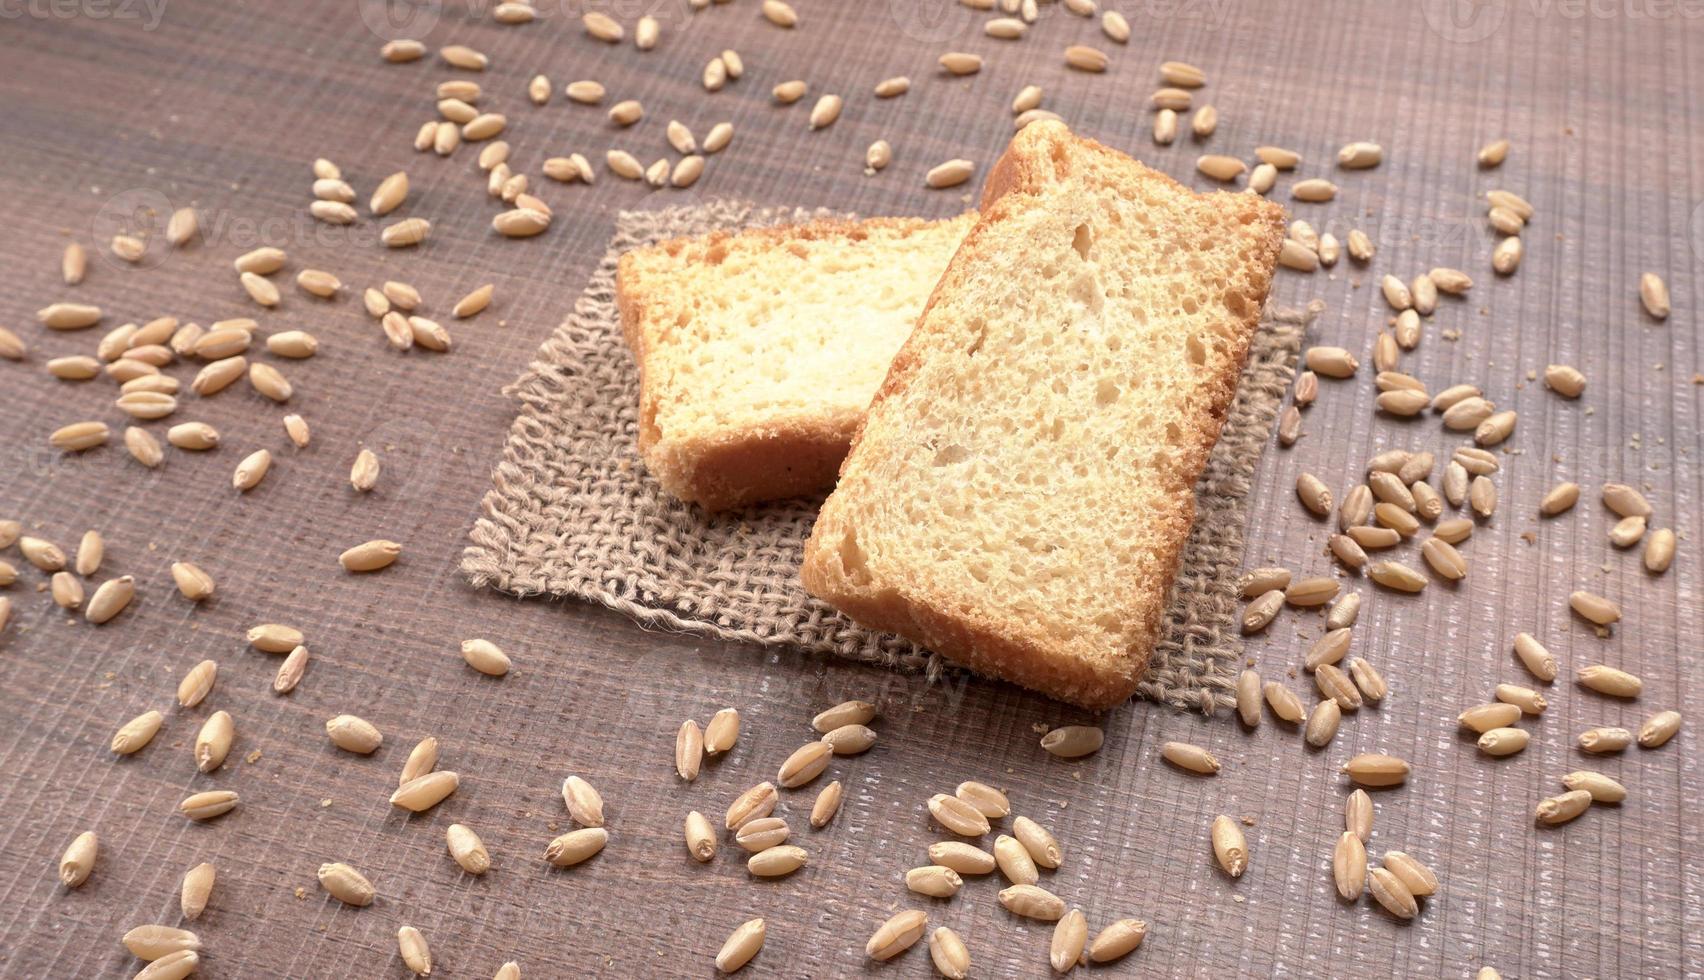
(758, 351)
(1023, 484)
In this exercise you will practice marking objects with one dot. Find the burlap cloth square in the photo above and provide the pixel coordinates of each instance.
(572, 511)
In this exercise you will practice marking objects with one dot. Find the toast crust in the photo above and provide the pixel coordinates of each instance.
(791, 453)
(1039, 157)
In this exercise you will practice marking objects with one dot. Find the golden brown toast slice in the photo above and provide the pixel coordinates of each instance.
(758, 351)
(1023, 483)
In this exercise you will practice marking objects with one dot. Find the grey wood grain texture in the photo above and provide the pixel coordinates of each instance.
(113, 116)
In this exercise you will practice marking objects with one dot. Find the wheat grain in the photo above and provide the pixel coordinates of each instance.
(762, 834)
(1310, 592)
(1084, 58)
(1344, 611)
(576, 846)
(947, 951)
(777, 862)
(827, 804)
(1248, 697)
(1183, 75)
(1328, 649)
(1601, 788)
(78, 861)
(1658, 729)
(1333, 683)
(1032, 902)
(1073, 741)
(958, 816)
(1260, 612)
(1389, 891)
(700, 837)
(1015, 861)
(399, 51)
(1221, 168)
(206, 806)
(1322, 722)
(1349, 866)
(949, 174)
(1504, 741)
(1373, 769)
(741, 945)
(67, 590)
(1564, 807)
(213, 741)
(1332, 362)
(151, 942)
(1165, 127)
(197, 888)
(1492, 154)
(1316, 190)
(896, 935)
(1659, 551)
(1069, 938)
(825, 112)
(1313, 493)
(759, 801)
(1118, 940)
(346, 884)
(966, 859)
(1654, 295)
(1610, 681)
(689, 751)
(422, 759)
(1043, 848)
(1294, 255)
(353, 734)
(110, 599)
(1625, 501)
(718, 137)
(1230, 847)
(1506, 257)
(370, 556)
(426, 791)
(1594, 608)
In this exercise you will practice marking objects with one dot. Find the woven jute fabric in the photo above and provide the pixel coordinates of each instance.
(573, 513)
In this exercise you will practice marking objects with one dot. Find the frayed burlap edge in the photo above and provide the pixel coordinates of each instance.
(572, 512)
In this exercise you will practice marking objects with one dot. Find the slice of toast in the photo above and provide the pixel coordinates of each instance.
(758, 351)
(1024, 480)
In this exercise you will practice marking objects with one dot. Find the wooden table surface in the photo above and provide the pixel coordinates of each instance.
(117, 112)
